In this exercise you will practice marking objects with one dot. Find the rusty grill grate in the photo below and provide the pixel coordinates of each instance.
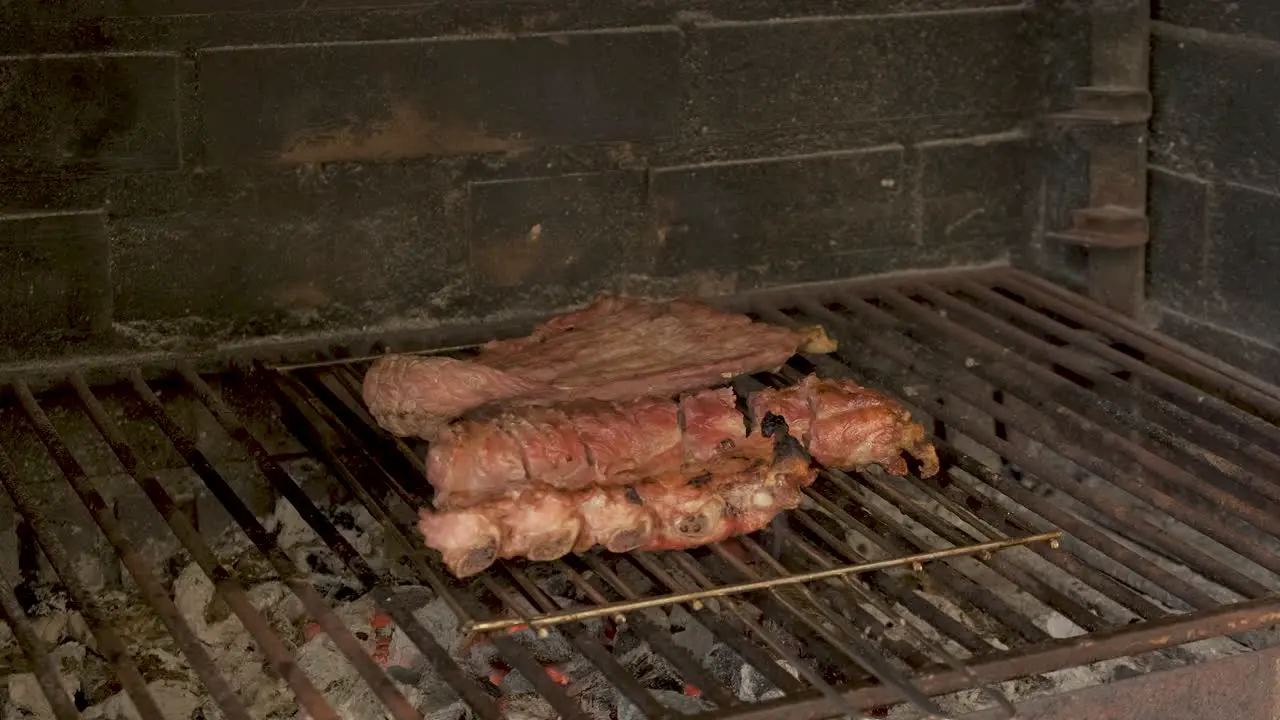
(1156, 462)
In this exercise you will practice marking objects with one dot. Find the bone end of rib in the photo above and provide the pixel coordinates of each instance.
(475, 561)
(627, 540)
(553, 545)
(928, 457)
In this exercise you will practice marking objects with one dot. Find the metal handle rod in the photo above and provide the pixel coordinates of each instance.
(618, 608)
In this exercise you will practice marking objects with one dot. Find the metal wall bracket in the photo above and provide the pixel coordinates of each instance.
(1109, 119)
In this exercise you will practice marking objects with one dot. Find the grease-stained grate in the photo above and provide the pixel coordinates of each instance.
(1155, 462)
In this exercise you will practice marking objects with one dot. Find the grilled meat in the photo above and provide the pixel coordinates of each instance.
(665, 513)
(596, 444)
(616, 349)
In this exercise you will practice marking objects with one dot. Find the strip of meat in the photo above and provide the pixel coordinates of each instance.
(851, 426)
(664, 514)
(413, 396)
(616, 349)
(840, 423)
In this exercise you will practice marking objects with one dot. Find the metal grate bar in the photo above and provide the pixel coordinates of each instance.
(945, 625)
(962, 386)
(848, 585)
(1033, 660)
(109, 643)
(1188, 431)
(1259, 511)
(155, 595)
(720, 627)
(226, 581)
(770, 640)
(295, 420)
(1148, 444)
(597, 653)
(826, 622)
(401, 465)
(1114, 506)
(1016, 519)
(680, 658)
(1232, 382)
(42, 665)
(311, 600)
(1215, 409)
(387, 691)
(895, 538)
(513, 653)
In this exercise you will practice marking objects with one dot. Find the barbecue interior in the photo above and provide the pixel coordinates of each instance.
(309, 513)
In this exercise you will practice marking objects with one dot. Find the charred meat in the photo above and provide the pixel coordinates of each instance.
(597, 444)
(665, 513)
(616, 349)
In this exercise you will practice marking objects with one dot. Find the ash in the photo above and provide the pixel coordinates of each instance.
(90, 679)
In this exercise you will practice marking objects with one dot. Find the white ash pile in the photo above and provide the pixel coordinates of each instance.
(627, 643)
(553, 652)
(91, 680)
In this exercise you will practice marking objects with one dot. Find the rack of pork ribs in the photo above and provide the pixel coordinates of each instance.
(612, 426)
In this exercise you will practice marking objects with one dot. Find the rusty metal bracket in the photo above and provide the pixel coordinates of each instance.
(1110, 117)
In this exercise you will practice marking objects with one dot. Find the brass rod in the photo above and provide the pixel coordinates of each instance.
(618, 608)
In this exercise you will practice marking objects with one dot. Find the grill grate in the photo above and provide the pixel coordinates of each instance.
(1155, 461)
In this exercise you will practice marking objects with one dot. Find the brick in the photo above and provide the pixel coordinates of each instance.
(1179, 244)
(108, 111)
(54, 274)
(36, 26)
(1257, 19)
(563, 230)
(389, 100)
(836, 71)
(350, 242)
(731, 215)
(1244, 260)
(1196, 131)
(976, 190)
(50, 193)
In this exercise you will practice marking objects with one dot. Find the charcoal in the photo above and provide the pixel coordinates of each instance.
(592, 626)
(678, 702)
(690, 634)
(439, 620)
(554, 648)
(552, 582)
(651, 669)
(637, 581)
(531, 706)
(740, 677)
(515, 683)
(628, 638)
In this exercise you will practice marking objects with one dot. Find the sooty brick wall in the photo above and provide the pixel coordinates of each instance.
(209, 169)
(1215, 182)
